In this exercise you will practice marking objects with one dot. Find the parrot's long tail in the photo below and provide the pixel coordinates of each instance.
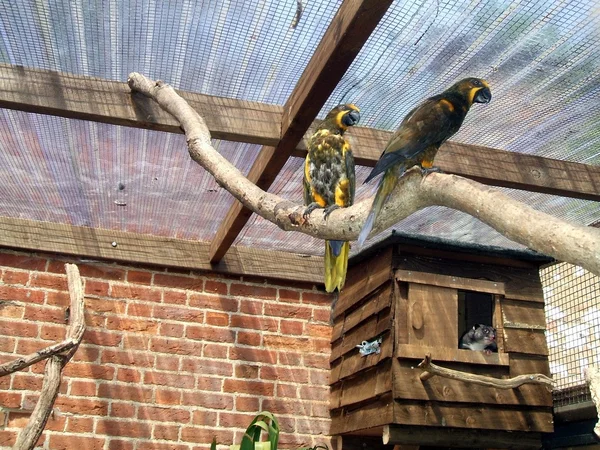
(386, 186)
(336, 264)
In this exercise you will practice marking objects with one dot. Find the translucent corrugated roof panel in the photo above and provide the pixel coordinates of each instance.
(542, 60)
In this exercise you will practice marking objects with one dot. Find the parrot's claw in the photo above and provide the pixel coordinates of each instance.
(310, 208)
(429, 170)
(329, 210)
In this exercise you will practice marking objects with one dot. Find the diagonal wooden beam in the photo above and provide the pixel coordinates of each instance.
(347, 33)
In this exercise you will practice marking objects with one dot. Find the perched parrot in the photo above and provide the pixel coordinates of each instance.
(329, 182)
(419, 137)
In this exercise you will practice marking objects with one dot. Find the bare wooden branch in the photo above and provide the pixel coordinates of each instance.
(29, 435)
(26, 361)
(592, 376)
(547, 234)
(431, 370)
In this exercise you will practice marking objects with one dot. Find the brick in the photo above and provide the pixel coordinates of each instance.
(206, 418)
(164, 446)
(27, 346)
(319, 377)
(248, 387)
(168, 397)
(253, 355)
(85, 406)
(136, 292)
(104, 338)
(121, 444)
(139, 277)
(57, 298)
(207, 366)
(288, 311)
(173, 380)
(22, 262)
(96, 288)
(166, 432)
(166, 362)
(10, 400)
(23, 381)
(11, 310)
(39, 313)
(297, 375)
(22, 329)
(217, 302)
(317, 393)
(129, 375)
(135, 342)
(7, 344)
(135, 325)
(247, 290)
(171, 329)
(180, 314)
(249, 338)
(8, 438)
(87, 370)
(254, 322)
(21, 294)
(250, 404)
(103, 272)
(207, 400)
(320, 410)
(205, 333)
(246, 371)
(159, 414)
(286, 406)
(82, 388)
(287, 390)
(53, 332)
(77, 424)
(48, 281)
(127, 358)
(286, 295)
(235, 420)
(288, 343)
(205, 435)
(321, 315)
(15, 277)
(317, 298)
(114, 427)
(209, 384)
(291, 327)
(63, 442)
(122, 409)
(215, 287)
(217, 318)
(287, 424)
(140, 309)
(211, 350)
(179, 282)
(175, 297)
(175, 346)
(252, 307)
(317, 361)
(319, 331)
(101, 305)
(29, 402)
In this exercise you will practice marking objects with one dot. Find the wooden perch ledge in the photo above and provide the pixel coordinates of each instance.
(546, 234)
(431, 370)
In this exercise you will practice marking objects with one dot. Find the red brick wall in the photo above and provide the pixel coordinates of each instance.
(169, 359)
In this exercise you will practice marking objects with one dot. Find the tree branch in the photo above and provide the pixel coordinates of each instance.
(29, 435)
(567, 242)
(592, 376)
(431, 369)
(26, 361)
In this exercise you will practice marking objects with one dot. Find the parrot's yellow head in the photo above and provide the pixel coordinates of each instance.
(344, 116)
(474, 90)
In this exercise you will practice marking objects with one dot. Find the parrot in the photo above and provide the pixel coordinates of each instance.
(329, 182)
(419, 136)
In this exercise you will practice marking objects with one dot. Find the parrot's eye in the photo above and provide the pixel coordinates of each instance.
(476, 83)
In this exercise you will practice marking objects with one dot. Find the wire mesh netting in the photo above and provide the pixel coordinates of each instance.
(572, 296)
(542, 60)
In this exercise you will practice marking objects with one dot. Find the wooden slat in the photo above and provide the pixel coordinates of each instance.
(532, 342)
(373, 306)
(498, 322)
(408, 386)
(369, 385)
(432, 436)
(483, 417)
(368, 330)
(78, 97)
(364, 278)
(400, 311)
(362, 442)
(352, 363)
(374, 414)
(522, 364)
(519, 314)
(468, 284)
(154, 250)
(345, 36)
(432, 316)
(439, 353)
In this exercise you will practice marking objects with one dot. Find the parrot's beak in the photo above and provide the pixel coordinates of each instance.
(483, 95)
(351, 118)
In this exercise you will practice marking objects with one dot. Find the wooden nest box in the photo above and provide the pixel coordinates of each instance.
(419, 301)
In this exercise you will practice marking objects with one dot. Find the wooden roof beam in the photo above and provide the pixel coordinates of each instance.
(347, 33)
